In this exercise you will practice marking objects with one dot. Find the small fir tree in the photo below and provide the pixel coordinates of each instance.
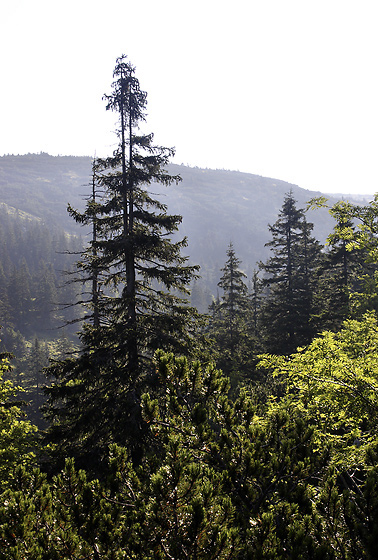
(229, 323)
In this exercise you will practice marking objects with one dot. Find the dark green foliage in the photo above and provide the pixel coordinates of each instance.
(265, 465)
(231, 322)
(290, 281)
(138, 298)
(219, 481)
(61, 520)
(361, 512)
(93, 403)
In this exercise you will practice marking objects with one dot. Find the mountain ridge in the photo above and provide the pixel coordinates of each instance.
(218, 206)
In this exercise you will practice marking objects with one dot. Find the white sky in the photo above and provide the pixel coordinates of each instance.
(280, 88)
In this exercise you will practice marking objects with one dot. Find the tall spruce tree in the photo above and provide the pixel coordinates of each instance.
(289, 280)
(139, 286)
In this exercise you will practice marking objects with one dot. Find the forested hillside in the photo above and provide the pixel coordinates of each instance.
(42, 185)
(217, 206)
(234, 419)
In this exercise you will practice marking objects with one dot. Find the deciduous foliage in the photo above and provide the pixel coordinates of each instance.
(361, 241)
(336, 381)
(339, 273)
(16, 434)
(334, 384)
(355, 234)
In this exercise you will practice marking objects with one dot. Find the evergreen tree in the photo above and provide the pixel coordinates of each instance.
(136, 273)
(229, 323)
(310, 258)
(289, 280)
(234, 301)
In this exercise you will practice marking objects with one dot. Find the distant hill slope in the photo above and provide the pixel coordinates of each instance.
(221, 206)
(42, 185)
(217, 206)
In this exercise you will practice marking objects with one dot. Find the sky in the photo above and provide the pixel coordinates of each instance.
(286, 89)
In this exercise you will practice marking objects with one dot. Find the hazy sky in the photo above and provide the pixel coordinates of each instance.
(281, 88)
